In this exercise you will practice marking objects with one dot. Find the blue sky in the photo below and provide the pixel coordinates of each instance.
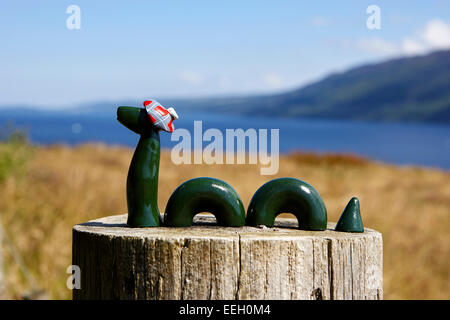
(140, 49)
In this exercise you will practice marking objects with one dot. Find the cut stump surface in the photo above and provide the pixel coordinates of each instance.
(206, 261)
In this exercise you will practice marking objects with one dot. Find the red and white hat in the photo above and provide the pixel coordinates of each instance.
(160, 116)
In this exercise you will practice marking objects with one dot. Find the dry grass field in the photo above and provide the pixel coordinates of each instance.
(44, 191)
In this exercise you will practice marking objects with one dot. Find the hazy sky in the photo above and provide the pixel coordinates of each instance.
(139, 49)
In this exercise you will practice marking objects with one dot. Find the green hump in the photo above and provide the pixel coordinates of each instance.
(204, 194)
(287, 195)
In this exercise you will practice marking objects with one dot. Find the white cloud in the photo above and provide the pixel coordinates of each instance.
(191, 77)
(435, 35)
(412, 47)
(273, 80)
(319, 22)
(224, 82)
(377, 45)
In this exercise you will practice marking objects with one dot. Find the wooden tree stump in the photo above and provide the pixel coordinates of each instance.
(211, 262)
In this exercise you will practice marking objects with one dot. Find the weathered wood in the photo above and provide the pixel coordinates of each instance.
(210, 262)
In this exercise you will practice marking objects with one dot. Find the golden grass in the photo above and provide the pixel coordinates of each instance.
(63, 186)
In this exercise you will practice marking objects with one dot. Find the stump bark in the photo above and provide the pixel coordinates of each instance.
(211, 262)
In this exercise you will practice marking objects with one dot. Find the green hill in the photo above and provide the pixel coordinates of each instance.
(403, 89)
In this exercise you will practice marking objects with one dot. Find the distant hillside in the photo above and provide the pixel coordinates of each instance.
(403, 89)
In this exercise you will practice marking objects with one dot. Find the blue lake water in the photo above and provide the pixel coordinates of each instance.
(404, 144)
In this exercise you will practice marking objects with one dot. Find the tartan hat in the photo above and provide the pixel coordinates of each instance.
(161, 117)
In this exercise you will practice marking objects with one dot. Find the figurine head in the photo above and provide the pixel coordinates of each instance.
(142, 121)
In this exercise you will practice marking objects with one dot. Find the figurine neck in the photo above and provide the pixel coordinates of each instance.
(142, 182)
